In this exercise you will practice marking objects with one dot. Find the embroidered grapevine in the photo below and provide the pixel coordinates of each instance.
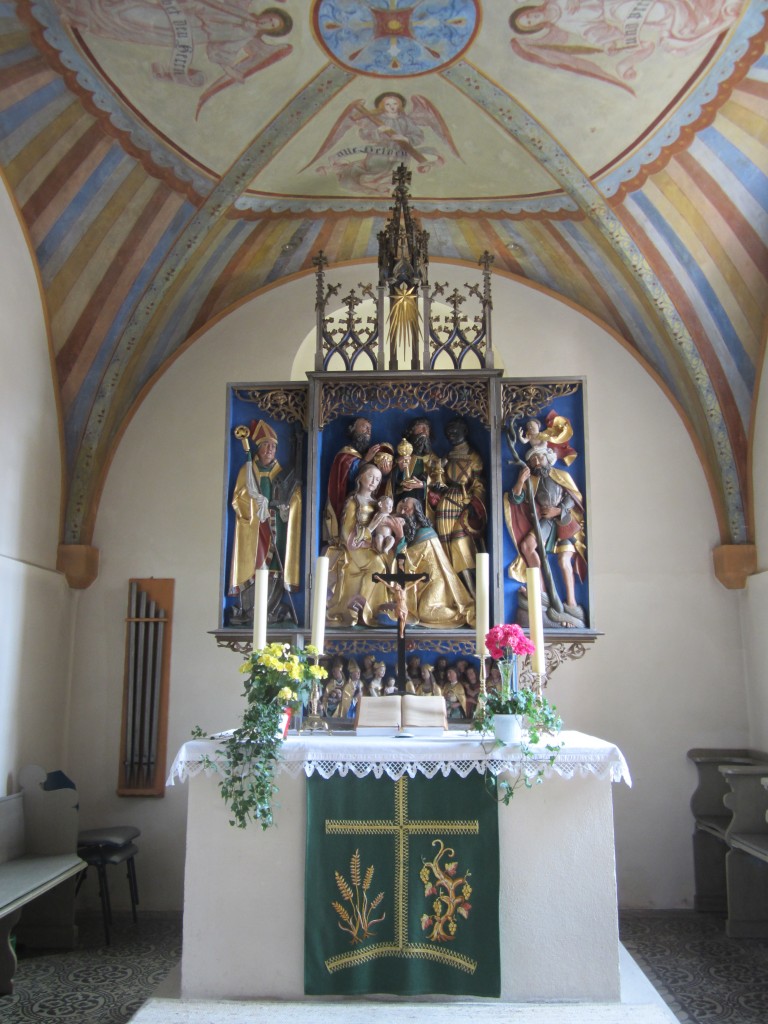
(451, 894)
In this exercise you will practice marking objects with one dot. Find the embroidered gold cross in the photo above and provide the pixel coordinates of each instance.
(402, 828)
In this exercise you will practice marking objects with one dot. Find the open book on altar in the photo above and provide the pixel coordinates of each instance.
(418, 716)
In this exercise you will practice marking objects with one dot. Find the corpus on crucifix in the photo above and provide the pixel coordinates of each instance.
(399, 583)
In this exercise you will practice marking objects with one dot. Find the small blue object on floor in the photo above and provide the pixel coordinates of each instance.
(100, 847)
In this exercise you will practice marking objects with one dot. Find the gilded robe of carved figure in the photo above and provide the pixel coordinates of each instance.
(443, 602)
(461, 514)
(267, 505)
(356, 598)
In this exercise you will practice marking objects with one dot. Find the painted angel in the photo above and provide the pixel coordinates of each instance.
(387, 136)
(578, 35)
(227, 32)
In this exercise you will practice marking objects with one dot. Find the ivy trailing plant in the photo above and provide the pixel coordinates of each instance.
(505, 643)
(280, 677)
(540, 719)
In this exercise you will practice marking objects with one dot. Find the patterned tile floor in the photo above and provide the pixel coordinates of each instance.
(705, 977)
(95, 984)
(702, 975)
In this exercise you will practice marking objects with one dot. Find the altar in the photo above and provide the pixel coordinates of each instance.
(244, 899)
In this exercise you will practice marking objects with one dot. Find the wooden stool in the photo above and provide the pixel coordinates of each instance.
(100, 847)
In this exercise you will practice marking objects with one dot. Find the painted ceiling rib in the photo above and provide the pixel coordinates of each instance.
(531, 134)
(98, 434)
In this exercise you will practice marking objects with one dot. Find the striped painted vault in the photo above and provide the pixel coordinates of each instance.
(157, 153)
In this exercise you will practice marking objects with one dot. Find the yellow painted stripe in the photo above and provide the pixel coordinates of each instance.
(475, 238)
(685, 387)
(362, 237)
(749, 101)
(32, 164)
(743, 276)
(122, 286)
(177, 293)
(272, 238)
(678, 210)
(750, 120)
(72, 287)
(240, 279)
(14, 41)
(60, 197)
(26, 86)
(722, 242)
(750, 140)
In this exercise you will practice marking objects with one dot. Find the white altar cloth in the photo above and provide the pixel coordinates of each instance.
(244, 900)
(457, 751)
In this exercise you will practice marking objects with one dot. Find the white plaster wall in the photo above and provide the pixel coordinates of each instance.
(35, 603)
(755, 600)
(666, 676)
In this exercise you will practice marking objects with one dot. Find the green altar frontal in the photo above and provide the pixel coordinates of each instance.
(401, 887)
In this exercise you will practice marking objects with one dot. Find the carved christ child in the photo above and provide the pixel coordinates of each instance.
(385, 528)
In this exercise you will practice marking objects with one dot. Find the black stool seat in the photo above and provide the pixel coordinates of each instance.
(107, 854)
(114, 835)
(100, 847)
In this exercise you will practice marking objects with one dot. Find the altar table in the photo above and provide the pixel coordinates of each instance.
(558, 921)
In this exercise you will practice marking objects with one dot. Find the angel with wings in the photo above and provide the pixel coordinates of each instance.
(386, 136)
(608, 39)
(229, 34)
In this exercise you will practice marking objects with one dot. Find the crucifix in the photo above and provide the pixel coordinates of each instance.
(399, 582)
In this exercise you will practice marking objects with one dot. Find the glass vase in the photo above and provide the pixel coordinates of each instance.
(508, 669)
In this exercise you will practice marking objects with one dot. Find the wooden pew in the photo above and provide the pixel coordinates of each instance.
(746, 863)
(711, 821)
(38, 851)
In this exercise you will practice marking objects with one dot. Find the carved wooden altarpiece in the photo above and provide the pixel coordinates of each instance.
(425, 354)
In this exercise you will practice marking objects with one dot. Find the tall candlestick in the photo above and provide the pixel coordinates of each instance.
(319, 597)
(535, 621)
(482, 602)
(260, 598)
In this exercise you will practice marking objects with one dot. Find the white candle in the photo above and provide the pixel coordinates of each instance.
(319, 598)
(535, 621)
(482, 604)
(260, 597)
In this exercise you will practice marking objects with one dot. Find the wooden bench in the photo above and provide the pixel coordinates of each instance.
(38, 844)
(712, 819)
(746, 864)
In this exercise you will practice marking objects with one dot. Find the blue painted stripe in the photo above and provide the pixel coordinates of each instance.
(84, 208)
(308, 245)
(294, 259)
(706, 292)
(372, 248)
(14, 57)
(616, 291)
(30, 106)
(19, 137)
(179, 321)
(750, 176)
(78, 414)
(445, 247)
(532, 267)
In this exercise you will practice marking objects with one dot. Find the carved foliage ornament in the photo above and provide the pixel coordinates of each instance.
(346, 398)
(288, 405)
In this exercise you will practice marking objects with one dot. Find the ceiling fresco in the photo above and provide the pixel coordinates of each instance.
(171, 157)
(189, 83)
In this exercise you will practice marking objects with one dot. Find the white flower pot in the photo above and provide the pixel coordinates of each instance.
(508, 729)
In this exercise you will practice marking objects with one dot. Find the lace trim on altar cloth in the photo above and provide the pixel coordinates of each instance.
(396, 769)
(581, 756)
